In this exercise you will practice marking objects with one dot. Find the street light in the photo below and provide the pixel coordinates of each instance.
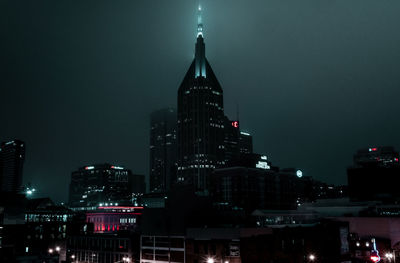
(311, 257)
(51, 250)
(126, 259)
(210, 260)
(389, 256)
(57, 249)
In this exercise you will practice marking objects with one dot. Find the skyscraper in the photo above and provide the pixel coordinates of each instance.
(12, 156)
(245, 143)
(162, 149)
(200, 120)
(103, 184)
(231, 139)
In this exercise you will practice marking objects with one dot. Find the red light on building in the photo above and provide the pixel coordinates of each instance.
(375, 258)
(235, 124)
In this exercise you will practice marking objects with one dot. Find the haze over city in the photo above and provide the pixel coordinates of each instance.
(313, 81)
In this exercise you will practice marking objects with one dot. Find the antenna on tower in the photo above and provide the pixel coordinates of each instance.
(199, 21)
(237, 111)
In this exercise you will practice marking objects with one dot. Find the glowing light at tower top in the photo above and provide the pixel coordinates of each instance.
(199, 22)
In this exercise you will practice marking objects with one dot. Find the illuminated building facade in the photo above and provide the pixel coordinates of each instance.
(372, 174)
(162, 149)
(107, 219)
(103, 183)
(200, 121)
(12, 156)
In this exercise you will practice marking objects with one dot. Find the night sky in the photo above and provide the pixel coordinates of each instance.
(315, 80)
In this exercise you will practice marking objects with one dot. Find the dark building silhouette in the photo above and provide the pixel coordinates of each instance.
(251, 182)
(162, 149)
(245, 142)
(200, 121)
(35, 230)
(231, 139)
(372, 175)
(106, 184)
(12, 156)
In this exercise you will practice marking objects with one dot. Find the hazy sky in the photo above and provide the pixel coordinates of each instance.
(314, 79)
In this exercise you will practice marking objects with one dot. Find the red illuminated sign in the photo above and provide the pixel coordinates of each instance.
(235, 124)
(375, 258)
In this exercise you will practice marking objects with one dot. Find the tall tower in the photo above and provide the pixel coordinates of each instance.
(12, 155)
(162, 149)
(200, 120)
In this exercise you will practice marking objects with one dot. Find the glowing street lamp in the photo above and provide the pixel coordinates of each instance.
(389, 256)
(311, 257)
(51, 250)
(210, 260)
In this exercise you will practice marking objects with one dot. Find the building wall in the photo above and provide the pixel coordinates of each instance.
(160, 249)
(101, 248)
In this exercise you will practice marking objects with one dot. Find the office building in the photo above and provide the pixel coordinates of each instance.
(103, 184)
(200, 121)
(245, 142)
(12, 156)
(163, 149)
(251, 182)
(231, 139)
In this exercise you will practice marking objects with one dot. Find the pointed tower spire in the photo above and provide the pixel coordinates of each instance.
(200, 56)
(199, 22)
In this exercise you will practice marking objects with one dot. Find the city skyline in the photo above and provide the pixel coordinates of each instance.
(75, 106)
